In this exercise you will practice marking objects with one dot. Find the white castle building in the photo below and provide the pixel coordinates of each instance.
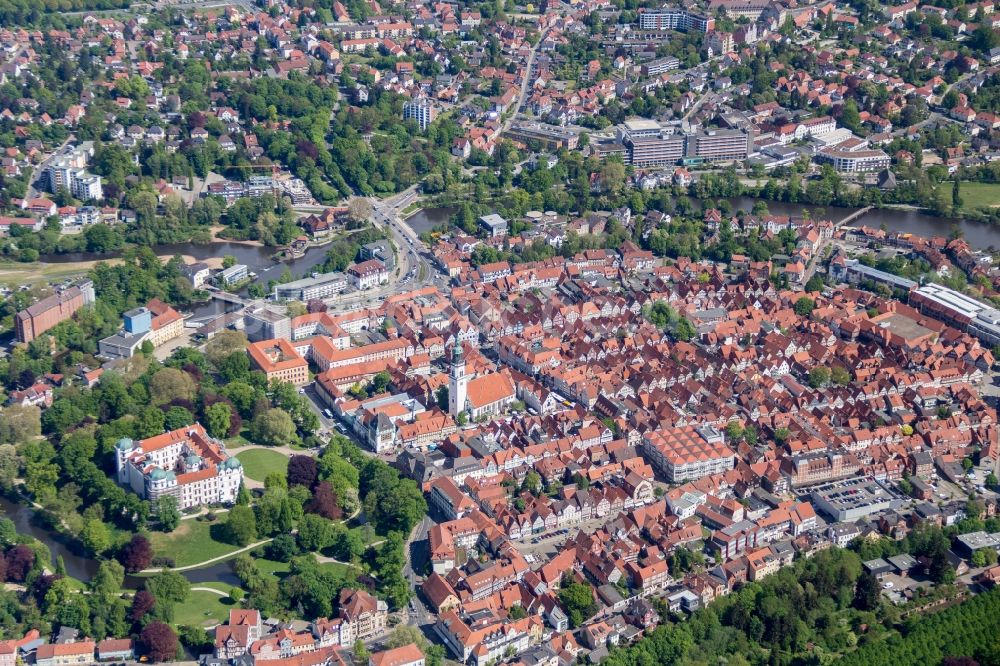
(185, 463)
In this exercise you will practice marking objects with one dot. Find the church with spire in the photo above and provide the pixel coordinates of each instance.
(481, 396)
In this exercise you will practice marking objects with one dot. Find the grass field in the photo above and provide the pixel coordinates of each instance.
(980, 195)
(202, 608)
(190, 543)
(258, 463)
(974, 195)
(14, 274)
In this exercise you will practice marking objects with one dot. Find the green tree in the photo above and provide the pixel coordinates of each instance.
(866, 592)
(225, 343)
(850, 117)
(218, 418)
(905, 487)
(168, 587)
(840, 376)
(96, 536)
(804, 306)
(315, 533)
(819, 376)
(533, 482)
(107, 582)
(578, 600)
(273, 427)
(361, 653)
(167, 513)
(814, 284)
(241, 525)
(177, 417)
(170, 384)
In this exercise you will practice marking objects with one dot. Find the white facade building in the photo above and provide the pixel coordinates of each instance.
(185, 463)
(68, 171)
(420, 110)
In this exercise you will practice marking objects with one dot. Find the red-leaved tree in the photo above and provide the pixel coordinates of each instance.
(159, 641)
(142, 603)
(324, 502)
(302, 471)
(20, 559)
(137, 554)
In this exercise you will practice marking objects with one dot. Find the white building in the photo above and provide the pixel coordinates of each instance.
(68, 171)
(368, 274)
(185, 463)
(854, 161)
(420, 110)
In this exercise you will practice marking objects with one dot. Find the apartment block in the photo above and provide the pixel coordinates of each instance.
(46, 313)
(675, 18)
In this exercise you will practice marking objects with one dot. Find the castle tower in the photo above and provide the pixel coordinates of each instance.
(458, 382)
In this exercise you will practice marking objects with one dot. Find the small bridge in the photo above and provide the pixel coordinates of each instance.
(856, 215)
(228, 298)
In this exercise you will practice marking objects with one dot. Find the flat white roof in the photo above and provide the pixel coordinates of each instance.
(952, 299)
(639, 124)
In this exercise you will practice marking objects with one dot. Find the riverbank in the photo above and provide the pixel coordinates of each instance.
(217, 237)
(15, 274)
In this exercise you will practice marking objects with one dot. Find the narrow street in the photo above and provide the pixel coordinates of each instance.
(416, 546)
(525, 83)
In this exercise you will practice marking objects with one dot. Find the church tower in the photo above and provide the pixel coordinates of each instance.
(458, 382)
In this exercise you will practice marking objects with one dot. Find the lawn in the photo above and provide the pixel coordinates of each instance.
(202, 609)
(974, 195)
(980, 195)
(190, 543)
(367, 534)
(17, 274)
(258, 463)
(215, 585)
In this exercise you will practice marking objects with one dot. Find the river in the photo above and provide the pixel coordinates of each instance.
(83, 568)
(979, 234)
(257, 257)
(426, 219)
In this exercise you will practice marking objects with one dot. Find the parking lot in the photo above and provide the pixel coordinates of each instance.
(895, 587)
(543, 546)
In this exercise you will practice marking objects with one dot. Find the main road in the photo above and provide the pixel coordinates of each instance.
(415, 270)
